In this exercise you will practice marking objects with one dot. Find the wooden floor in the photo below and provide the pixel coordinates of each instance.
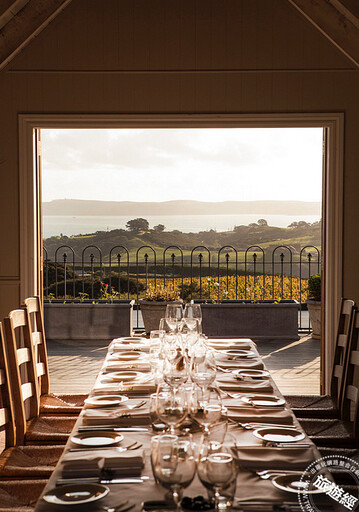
(293, 365)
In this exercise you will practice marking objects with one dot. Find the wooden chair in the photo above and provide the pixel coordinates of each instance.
(49, 402)
(328, 406)
(342, 432)
(30, 428)
(19, 461)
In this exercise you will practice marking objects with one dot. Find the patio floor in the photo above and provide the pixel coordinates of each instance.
(294, 365)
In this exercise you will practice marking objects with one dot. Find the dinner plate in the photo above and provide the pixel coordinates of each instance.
(123, 376)
(105, 400)
(279, 434)
(253, 374)
(239, 353)
(76, 494)
(96, 438)
(263, 400)
(131, 339)
(297, 484)
(129, 355)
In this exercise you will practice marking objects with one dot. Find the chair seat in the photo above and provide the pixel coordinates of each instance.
(330, 451)
(20, 495)
(61, 404)
(49, 429)
(313, 406)
(29, 461)
(329, 432)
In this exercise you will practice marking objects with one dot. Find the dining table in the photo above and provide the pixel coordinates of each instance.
(253, 403)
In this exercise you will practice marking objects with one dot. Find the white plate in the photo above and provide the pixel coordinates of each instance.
(75, 494)
(239, 353)
(131, 339)
(128, 355)
(294, 483)
(263, 400)
(279, 435)
(254, 374)
(105, 400)
(123, 376)
(96, 438)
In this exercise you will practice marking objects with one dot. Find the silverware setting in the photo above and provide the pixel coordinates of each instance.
(96, 480)
(111, 428)
(121, 507)
(134, 446)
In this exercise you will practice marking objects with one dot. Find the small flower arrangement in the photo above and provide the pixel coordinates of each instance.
(160, 293)
(108, 293)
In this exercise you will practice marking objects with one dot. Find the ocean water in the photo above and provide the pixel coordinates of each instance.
(54, 225)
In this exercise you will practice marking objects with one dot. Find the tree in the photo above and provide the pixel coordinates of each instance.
(262, 222)
(159, 228)
(137, 225)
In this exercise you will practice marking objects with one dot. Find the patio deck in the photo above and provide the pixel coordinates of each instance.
(295, 366)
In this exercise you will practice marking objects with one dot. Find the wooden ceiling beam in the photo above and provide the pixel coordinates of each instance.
(336, 22)
(23, 21)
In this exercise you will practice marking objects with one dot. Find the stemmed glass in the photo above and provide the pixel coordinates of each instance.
(192, 312)
(221, 472)
(174, 315)
(156, 355)
(174, 465)
(203, 367)
(172, 406)
(175, 370)
(205, 408)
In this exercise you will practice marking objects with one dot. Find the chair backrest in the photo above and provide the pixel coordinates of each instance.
(6, 409)
(350, 402)
(22, 370)
(341, 349)
(36, 322)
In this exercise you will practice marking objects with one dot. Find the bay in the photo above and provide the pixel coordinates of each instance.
(54, 225)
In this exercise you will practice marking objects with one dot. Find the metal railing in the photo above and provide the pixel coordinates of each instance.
(200, 273)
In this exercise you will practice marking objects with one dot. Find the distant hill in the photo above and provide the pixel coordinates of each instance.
(78, 207)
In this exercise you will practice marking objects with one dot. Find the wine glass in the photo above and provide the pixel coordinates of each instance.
(156, 422)
(172, 406)
(153, 448)
(192, 311)
(203, 367)
(221, 472)
(164, 327)
(174, 465)
(174, 315)
(205, 408)
(156, 355)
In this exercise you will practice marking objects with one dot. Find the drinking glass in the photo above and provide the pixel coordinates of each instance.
(156, 355)
(154, 445)
(174, 315)
(192, 311)
(164, 327)
(172, 406)
(174, 465)
(221, 472)
(175, 371)
(205, 408)
(157, 424)
(203, 367)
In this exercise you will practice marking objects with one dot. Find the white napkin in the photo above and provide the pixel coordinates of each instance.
(116, 416)
(260, 414)
(228, 382)
(122, 347)
(128, 463)
(263, 457)
(88, 463)
(239, 364)
(113, 366)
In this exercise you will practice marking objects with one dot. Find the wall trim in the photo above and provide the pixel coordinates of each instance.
(332, 187)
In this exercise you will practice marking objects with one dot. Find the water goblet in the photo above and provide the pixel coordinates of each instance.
(203, 367)
(156, 355)
(221, 472)
(157, 424)
(205, 408)
(154, 446)
(174, 465)
(192, 311)
(174, 314)
(171, 406)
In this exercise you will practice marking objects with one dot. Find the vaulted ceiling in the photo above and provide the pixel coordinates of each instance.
(22, 20)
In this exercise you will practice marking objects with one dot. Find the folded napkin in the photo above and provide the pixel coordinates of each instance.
(121, 347)
(117, 416)
(128, 463)
(84, 464)
(266, 457)
(230, 344)
(240, 364)
(90, 463)
(115, 388)
(228, 382)
(260, 414)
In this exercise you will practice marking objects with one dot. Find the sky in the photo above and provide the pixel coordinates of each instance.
(225, 164)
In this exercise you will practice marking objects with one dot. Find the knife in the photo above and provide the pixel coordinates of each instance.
(96, 480)
(86, 428)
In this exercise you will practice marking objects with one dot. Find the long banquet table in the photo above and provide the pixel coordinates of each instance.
(253, 456)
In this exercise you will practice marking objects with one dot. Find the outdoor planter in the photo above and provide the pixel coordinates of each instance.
(315, 315)
(259, 321)
(152, 312)
(88, 321)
